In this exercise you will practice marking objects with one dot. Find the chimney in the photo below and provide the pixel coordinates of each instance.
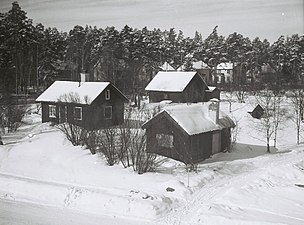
(214, 109)
(82, 78)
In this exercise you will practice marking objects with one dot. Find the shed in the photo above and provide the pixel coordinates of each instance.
(257, 112)
(188, 132)
(212, 92)
(91, 105)
(177, 86)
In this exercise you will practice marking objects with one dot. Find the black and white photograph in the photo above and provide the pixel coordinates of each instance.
(141, 112)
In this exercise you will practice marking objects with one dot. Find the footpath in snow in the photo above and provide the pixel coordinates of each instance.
(38, 166)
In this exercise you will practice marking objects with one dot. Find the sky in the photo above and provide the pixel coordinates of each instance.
(251, 18)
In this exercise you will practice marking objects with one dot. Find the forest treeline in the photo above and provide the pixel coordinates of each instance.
(33, 56)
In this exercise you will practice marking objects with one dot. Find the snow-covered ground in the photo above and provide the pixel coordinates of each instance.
(40, 171)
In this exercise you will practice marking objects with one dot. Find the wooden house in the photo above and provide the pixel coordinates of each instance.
(212, 92)
(224, 73)
(166, 67)
(91, 105)
(177, 87)
(188, 132)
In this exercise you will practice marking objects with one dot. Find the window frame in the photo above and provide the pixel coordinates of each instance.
(108, 94)
(74, 113)
(52, 111)
(104, 112)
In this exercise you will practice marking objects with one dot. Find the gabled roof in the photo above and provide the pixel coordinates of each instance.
(70, 91)
(167, 67)
(225, 66)
(194, 118)
(170, 81)
(200, 65)
(211, 89)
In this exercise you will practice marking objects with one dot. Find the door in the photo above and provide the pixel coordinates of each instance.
(216, 142)
(62, 113)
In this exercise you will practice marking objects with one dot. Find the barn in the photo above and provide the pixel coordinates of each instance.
(177, 86)
(188, 133)
(91, 105)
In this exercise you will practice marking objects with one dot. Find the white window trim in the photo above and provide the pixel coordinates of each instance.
(78, 107)
(108, 94)
(52, 111)
(108, 118)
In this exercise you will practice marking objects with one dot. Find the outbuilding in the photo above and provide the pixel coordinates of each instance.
(189, 132)
(257, 112)
(91, 105)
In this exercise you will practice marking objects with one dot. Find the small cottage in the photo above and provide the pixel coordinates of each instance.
(212, 92)
(189, 132)
(257, 112)
(177, 87)
(91, 105)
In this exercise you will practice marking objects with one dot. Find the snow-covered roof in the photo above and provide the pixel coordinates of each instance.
(170, 81)
(210, 89)
(199, 65)
(225, 66)
(69, 91)
(194, 118)
(167, 67)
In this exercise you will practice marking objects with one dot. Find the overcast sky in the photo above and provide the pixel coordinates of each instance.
(263, 18)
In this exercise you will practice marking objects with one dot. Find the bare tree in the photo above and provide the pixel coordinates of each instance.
(297, 99)
(77, 135)
(273, 115)
(235, 132)
(108, 144)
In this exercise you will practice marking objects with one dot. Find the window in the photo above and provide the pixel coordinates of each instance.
(52, 111)
(78, 113)
(108, 112)
(165, 140)
(108, 94)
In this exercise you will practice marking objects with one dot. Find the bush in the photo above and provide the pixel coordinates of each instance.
(14, 116)
(75, 134)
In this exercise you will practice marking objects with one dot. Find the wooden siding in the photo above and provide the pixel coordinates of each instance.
(163, 125)
(212, 94)
(201, 146)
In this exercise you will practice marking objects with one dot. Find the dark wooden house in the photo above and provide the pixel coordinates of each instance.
(187, 132)
(177, 86)
(212, 92)
(257, 112)
(91, 105)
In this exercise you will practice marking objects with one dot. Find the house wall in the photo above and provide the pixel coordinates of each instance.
(216, 142)
(225, 139)
(181, 141)
(214, 94)
(69, 107)
(96, 114)
(201, 146)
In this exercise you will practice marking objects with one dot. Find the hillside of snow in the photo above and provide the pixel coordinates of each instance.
(40, 168)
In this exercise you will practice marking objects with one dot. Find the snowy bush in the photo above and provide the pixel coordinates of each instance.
(14, 116)
(75, 134)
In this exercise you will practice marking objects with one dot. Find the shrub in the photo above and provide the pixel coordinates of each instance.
(75, 134)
